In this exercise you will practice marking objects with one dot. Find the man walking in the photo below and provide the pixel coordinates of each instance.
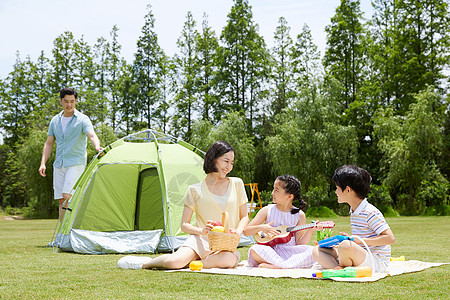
(69, 129)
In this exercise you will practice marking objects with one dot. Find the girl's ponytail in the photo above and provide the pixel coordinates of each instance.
(293, 186)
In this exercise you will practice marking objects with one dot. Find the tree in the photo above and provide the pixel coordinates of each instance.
(114, 61)
(305, 65)
(162, 114)
(83, 69)
(382, 52)
(230, 130)
(15, 103)
(206, 47)
(39, 189)
(309, 142)
(186, 66)
(62, 63)
(422, 41)
(281, 74)
(343, 57)
(128, 90)
(411, 144)
(41, 94)
(242, 61)
(146, 69)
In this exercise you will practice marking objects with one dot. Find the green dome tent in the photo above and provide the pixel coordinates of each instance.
(130, 200)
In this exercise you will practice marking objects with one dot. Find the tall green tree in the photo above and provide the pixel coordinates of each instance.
(343, 57)
(422, 40)
(411, 144)
(62, 62)
(310, 142)
(281, 73)
(147, 69)
(345, 63)
(382, 51)
(83, 69)
(128, 93)
(114, 62)
(41, 93)
(243, 61)
(187, 68)
(206, 79)
(305, 65)
(162, 112)
(15, 104)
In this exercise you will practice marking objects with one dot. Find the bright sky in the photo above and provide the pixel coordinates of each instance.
(29, 26)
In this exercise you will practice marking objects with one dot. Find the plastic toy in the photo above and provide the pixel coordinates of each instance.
(196, 265)
(333, 241)
(400, 258)
(349, 272)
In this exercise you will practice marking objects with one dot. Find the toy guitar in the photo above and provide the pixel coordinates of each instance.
(286, 233)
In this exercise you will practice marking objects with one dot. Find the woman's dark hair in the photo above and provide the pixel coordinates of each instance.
(68, 91)
(293, 186)
(217, 149)
(354, 177)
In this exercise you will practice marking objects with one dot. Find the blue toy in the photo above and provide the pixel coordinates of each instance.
(333, 241)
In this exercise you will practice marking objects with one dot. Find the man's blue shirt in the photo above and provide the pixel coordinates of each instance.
(70, 146)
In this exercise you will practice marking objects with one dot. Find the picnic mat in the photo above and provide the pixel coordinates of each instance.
(395, 268)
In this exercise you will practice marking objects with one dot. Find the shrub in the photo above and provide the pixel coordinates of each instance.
(379, 195)
(266, 198)
(437, 210)
(434, 193)
(316, 196)
(320, 211)
(388, 211)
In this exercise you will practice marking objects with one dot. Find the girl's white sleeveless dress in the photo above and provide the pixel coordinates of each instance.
(288, 255)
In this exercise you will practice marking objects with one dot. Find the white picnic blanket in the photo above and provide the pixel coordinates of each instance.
(395, 268)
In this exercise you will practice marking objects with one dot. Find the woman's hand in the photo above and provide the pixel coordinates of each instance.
(209, 225)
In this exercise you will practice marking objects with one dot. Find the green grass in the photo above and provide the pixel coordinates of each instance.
(28, 269)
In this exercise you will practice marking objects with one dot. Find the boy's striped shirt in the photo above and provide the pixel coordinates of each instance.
(367, 221)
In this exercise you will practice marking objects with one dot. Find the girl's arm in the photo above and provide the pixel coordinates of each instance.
(257, 224)
(187, 227)
(302, 237)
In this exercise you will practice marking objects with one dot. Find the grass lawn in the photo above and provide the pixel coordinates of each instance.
(28, 269)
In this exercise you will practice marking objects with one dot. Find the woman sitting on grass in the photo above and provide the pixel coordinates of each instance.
(208, 199)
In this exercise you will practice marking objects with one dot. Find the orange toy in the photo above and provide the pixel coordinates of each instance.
(196, 265)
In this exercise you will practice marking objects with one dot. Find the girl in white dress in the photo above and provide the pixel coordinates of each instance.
(295, 253)
(208, 200)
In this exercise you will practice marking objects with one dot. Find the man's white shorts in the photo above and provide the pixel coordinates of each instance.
(65, 178)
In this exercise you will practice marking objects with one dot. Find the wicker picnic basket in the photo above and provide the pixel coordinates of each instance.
(219, 241)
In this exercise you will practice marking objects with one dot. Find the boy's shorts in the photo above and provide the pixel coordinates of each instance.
(379, 263)
(65, 178)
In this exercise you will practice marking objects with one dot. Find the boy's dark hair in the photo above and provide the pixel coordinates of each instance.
(354, 177)
(68, 91)
(293, 186)
(217, 149)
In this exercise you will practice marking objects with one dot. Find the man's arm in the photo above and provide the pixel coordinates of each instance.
(48, 146)
(94, 140)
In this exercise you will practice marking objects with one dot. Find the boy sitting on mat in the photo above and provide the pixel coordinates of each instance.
(367, 222)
